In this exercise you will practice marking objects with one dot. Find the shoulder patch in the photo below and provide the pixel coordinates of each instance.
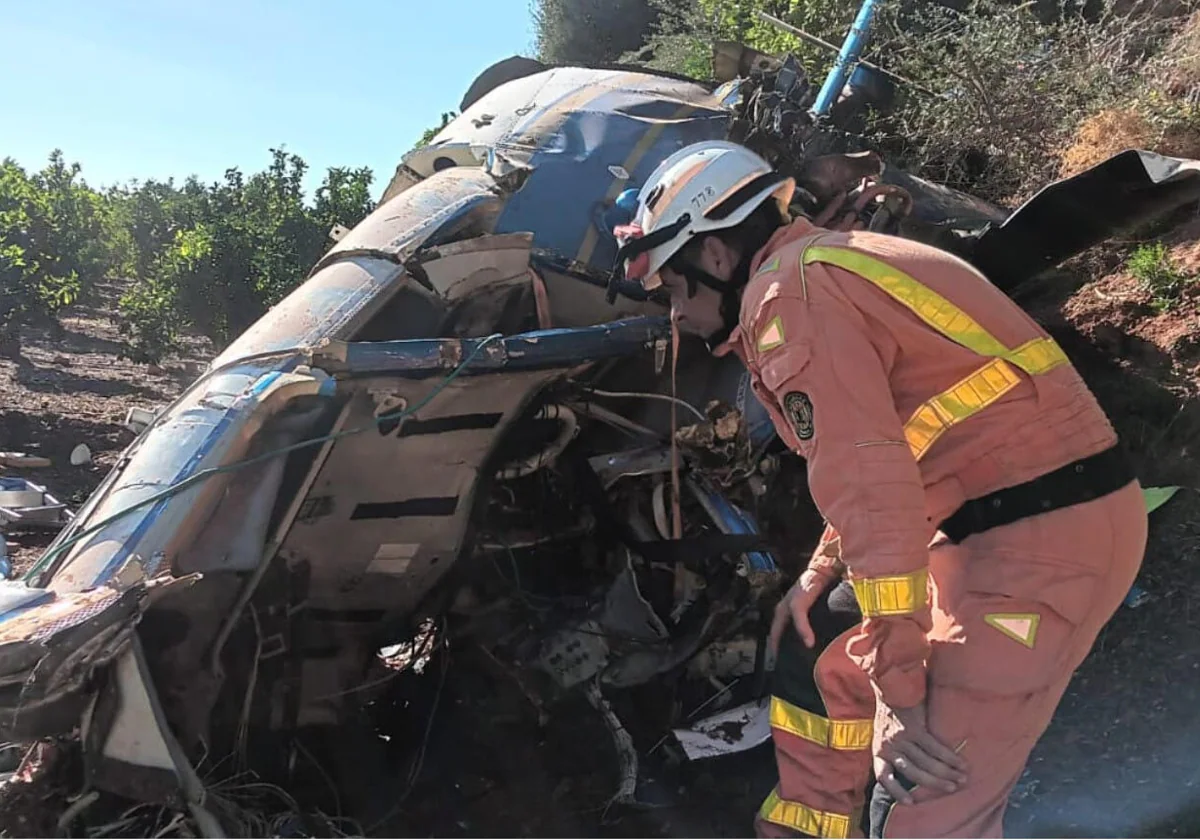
(798, 408)
(771, 335)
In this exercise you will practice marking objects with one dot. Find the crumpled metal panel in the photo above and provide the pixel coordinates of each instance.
(387, 514)
(341, 295)
(585, 135)
(206, 427)
(1069, 216)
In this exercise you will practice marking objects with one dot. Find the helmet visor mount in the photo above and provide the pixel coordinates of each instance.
(635, 249)
(634, 260)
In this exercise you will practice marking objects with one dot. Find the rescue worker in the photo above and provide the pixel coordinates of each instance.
(978, 505)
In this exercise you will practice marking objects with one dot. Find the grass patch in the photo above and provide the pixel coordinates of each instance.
(1151, 265)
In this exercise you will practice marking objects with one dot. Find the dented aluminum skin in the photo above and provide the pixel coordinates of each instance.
(281, 462)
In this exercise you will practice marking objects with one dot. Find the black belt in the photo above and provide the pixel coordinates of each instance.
(1080, 481)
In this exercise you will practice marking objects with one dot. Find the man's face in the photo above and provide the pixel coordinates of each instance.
(700, 314)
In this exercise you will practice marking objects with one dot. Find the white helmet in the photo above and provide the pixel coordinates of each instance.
(701, 188)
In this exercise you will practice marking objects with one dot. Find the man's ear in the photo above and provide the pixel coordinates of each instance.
(718, 254)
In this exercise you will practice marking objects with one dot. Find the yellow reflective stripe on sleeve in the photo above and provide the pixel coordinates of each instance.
(893, 595)
(835, 734)
(1038, 355)
(799, 817)
(1034, 357)
(958, 402)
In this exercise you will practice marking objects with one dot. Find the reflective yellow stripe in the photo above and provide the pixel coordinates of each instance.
(835, 734)
(893, 595)
(972, 394)
(958, 402)
(1038, 355)
(800, 817)
(1035, 356)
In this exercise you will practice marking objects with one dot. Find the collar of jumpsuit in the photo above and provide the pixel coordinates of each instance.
(797, 229)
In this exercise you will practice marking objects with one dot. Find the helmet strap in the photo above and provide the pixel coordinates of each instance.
(731, 301)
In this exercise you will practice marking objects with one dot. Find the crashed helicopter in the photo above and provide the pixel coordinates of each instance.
(461, 407)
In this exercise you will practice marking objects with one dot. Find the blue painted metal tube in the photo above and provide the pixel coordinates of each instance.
(847, 57)
(739, 522)
(537, 350)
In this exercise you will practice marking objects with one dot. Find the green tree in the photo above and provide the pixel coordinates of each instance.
(432, 131)
(590, 31)
(54, 241)
(344, 198)
(225, 254)
(681, 37)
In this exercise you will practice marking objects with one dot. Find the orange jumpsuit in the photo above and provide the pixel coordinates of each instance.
(910, 385)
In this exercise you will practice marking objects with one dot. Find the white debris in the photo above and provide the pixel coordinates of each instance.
(734, 730)
(81, 455)
(137, 419)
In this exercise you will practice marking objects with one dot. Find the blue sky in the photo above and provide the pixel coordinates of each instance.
(158, 88)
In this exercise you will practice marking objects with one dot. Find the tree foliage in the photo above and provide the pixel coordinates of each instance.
(590, 31)
(997, 87)
(1006, 89)
(434, 130)
(206, 258)
(53, 235)
(229, 252)
(680, 38)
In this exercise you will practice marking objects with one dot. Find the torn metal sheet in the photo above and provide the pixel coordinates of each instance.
(1069, 216)
(731, 731)
(730, 658)
(25, 505)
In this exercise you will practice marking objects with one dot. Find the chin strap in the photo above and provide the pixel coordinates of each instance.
(731, 302)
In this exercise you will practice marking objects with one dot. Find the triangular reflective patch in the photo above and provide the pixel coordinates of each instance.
(769, 266)
(771, 336)
(1021, 627)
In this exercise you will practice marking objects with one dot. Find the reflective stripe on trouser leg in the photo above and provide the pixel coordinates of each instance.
(821, 719)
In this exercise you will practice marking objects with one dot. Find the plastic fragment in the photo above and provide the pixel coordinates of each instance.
(1156, 497)
(1136, 597)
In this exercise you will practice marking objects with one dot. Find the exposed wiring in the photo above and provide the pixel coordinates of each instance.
(568, 426)
(646, 395)
(203, 475)
(595, 411)
(419, 762)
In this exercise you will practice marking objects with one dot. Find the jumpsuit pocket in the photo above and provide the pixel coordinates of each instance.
(777, 367)
(774, 372)
(1012, 627)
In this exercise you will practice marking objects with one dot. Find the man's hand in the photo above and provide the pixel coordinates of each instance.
(794, 607)
(904, 745)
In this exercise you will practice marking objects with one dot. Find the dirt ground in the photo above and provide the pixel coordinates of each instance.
(69, 388)
(1119, 759)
